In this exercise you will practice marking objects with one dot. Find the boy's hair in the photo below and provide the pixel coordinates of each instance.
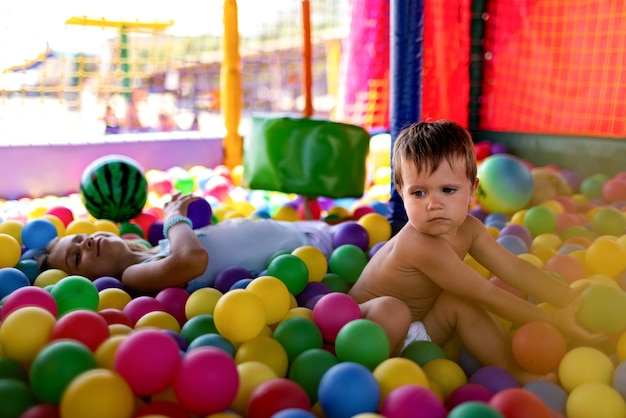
(426, 144)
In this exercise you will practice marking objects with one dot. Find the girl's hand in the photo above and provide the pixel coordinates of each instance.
(178, 205)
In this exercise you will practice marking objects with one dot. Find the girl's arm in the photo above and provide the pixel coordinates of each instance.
(187, 260)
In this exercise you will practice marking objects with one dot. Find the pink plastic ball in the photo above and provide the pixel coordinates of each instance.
(142, 305)
(174, 300)
(28, 296)
(332, 312)
(360, 211)
(85, 326)
(614, 190)
(207, 380)
(147, 359)
(415, 401)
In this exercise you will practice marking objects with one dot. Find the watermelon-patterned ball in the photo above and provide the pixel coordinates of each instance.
(114, 187)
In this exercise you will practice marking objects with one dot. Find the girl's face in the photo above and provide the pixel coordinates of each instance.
(92, 256)
(437, 203)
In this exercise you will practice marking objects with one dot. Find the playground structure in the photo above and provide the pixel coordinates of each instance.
(575, 110)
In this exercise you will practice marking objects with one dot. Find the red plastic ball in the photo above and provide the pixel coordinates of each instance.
(115, 316)
(64, 214)
(614, 189)
(519, 403)
(85, 326)
(539, 347)
(275, 395)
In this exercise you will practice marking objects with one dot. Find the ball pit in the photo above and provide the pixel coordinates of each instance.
(296, 331)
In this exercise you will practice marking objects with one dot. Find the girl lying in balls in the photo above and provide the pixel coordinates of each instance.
(187, 258)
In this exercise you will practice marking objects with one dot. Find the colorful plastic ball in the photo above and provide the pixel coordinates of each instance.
(395, 372)
(603, 309)
(474, 409)
(105, 353)
(162, 408)
(348, 389)
(291, 270)
(75, 292)
(294, 413)
(56, 365)
(49, 277)
(348, 261)
(540, 220)
(276, 395)
(160, 320)
(28, 296)
(12, 369)
(229, 276)
(97, 393)
(200, 213)
(595, 399)
(421, 352)
(362, 341)
(566, 266)
(41, 411)
(65, 214)
(107, 282)
(114, 187)
(147, 360)
(308, 368)
(84, 326)
(13, 228)
(606, 256)
(591, 186)
(416, 401)
(11, 251)
(467, 393)
(24, 332)
(141, 305)
(614, 190)
(206, 381)
(198, 325)
(11, 279)
(17, 397)
(266, 350)
(113, 298)
(336, 283)
(274, 295)
(115, 316)
(609, 221)
(377, 226)
(506, 184)
(351, 232)
(315, 260)
(240, 315)
(213, 340)
(332, 312)
(550, 393)
(251, 375)
(538, 347)
(494, 378)
(519, 403)
(38, 233)
(202, 301)
(513, 243)
(619, 378)
(297, 335)
(446, 374)
(174, 300)
(312, 292)
(585, 365)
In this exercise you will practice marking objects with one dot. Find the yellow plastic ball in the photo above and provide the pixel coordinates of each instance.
(251, 375)
(606, 256)
(202, 301)
(80, 226)
(49, 277)
(120, 329)
(315, 260)
(532, 258)
(160, 320)
(493, 231)
(13, 228)
(36, 211)
(239, 315)
(543, 253)
(113, 298)
(583, 365)
(244, 207)
(97, 393)
(554, 205)
(104, 225)
(58, 224)
(377, 227)
(446, 374)
(620, 347)
(398, 371)
(547, 240)
(236, 175)
(339, 211)
(105, 353)
(274, 295)
(595, 400)
(24, 332)
(11, 251)
(518, 217)
(266, 350)
(299, 311)
(287, 213)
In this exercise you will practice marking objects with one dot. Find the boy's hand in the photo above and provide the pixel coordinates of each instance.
(565, 320)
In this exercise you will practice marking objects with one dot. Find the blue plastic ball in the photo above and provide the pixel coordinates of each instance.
(348, 389)
(506, 184)
(11, 279)
(38, 233)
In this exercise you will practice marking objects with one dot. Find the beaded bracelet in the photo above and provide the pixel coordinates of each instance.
(174, 221)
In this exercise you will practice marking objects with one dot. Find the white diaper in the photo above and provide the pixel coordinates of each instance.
(417, 332)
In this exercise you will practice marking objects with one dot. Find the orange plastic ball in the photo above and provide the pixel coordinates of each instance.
(538, 347)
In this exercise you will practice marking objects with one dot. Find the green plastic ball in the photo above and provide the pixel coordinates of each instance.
(291, 270)
(297, 335)
(348, 261)
(362, 341)
(308, 368)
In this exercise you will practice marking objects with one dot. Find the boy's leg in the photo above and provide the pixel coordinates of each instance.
(479, 332)
(394, 317)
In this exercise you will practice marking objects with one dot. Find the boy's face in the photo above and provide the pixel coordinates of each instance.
(437, 203)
